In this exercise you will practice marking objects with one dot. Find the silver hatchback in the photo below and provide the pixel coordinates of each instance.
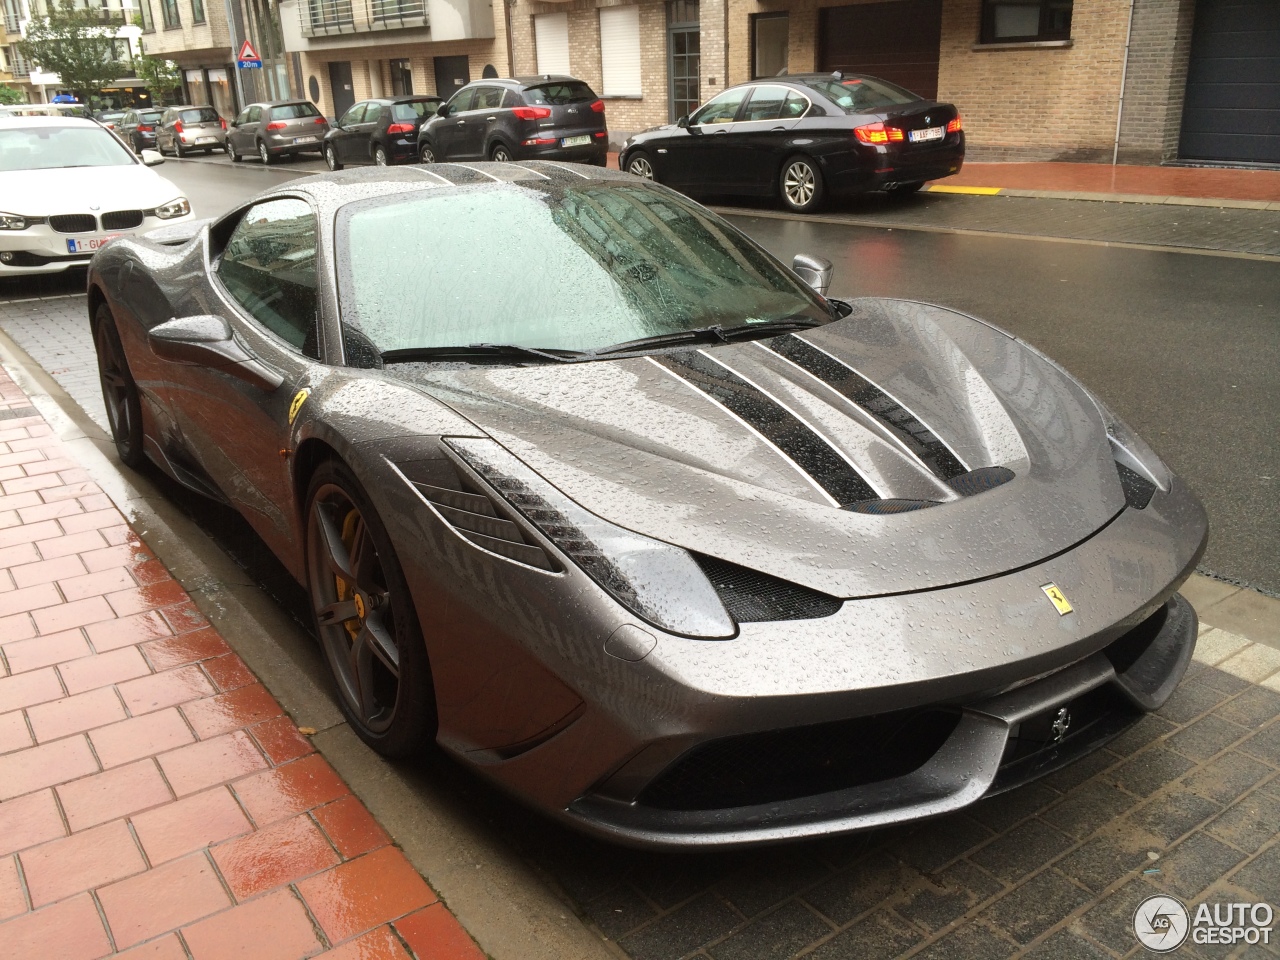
(182, 129)
(274, 130)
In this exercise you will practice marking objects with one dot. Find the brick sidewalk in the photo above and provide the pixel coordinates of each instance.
(154, 799)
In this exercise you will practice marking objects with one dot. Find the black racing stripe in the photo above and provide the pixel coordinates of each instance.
(919, 439)
(809, 451)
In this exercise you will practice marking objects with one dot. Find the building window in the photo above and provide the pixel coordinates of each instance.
(401, 78)
(551, 36)
(770, 36)
(169, 9)
(620, 51)
(1023, 21)
(197, 11)
(684, 53)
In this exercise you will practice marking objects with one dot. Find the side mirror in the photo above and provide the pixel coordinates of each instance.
(152, 158)
(207, 341)
(815, 271)
(682, 122)
(443, 110)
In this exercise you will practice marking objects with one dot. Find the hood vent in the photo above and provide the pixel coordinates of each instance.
(752, 597)
(980, 480)
(473, 517)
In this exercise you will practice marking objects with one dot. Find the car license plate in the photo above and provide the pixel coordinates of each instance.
(928, 133)
(206, 139)
(305, 139)
(89, 244)
(575, 141)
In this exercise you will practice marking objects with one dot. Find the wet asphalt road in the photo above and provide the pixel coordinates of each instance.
(1184, 346)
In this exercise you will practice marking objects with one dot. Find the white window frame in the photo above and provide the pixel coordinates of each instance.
(620, 51)
(551, 38)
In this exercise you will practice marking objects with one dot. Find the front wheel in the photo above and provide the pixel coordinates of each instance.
(500, 154)
(119, 391)
(365, 617)
(800, 185)
(639, 164)
(265, 155)
(331, 157)
(380, 157)
(177, 148)
(232, 152)
(426, 154)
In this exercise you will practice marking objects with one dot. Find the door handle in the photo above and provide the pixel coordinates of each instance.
(461, 122)
(491, 119)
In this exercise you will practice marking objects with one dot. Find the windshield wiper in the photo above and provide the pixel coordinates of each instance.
(712, 334)
(487, 350)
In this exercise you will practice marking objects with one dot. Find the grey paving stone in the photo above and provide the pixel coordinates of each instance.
(950, 895)
(1065, 945)
(1021, 850)
(1110, 922)
(1089, 807)
(940, 841)
(682, 931)
(1042, 902)
(1149, 771)
(1102, 861)
(1173, 814)
(761, 884)
(1149, 728)
(1192, 699)
(1251, 822)
(1194, 865)
(1227, 777)
(879, 936)
(1261, 876)
(775, 936)
(670, 879)
(1265, 744)
(618, 911)
(1076, 773)
(1222, 681)
(1253, 708)
(1012, 806)
(1207, 736)
(973, 941)
(863, 886)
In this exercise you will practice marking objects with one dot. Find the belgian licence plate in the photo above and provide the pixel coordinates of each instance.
(89, 244)
(575, 141)
(206, 139)
(928, 133)
(305, 139)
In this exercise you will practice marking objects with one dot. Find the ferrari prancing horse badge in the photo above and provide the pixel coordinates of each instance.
(299, 399)
(1057, 598)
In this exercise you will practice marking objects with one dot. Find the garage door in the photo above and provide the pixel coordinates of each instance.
(1232, 110)
(897, 41)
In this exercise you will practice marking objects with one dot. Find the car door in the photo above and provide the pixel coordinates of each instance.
(247, 132)
(445, 132)
(489, 119)
(266, 280)
(361, 143)
(699, 161)
(344, 132)
(762, 136)
(128, 124)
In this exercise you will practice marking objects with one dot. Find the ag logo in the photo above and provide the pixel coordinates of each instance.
(1161, 923)
(299, 399)
(1057, 598)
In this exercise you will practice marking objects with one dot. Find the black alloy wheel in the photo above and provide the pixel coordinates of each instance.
(639, 164)
(800, 184)
(500, 154)
(426, 154)
(119, 391)
(331, 157)
(232, 152)
(365, 617)
(264, 154)
(380, 157)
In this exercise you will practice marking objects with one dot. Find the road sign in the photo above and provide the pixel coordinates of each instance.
(248, 59)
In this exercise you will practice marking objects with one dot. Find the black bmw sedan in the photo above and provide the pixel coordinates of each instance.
(803, 138)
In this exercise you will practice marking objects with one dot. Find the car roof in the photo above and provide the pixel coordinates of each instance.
(275, 103)
(548, 78)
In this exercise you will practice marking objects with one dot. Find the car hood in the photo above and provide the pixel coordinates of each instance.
(646, 444)
(45, 193)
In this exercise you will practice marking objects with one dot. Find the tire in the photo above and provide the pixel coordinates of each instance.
(177, 148)
(380, 157)
(232, 152)
(640, 165)
(366, 621)
(208, 151)
(800, 184)
(905, 189)
(426, 154)
(500, 153)
(265, 155)
(119, 391)
(331, 157)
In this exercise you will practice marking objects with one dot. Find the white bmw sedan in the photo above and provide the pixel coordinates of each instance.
(67, 187)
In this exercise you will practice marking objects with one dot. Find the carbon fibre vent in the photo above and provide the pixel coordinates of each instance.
(752, 597)
(881, 507)
(473, 517)
(1138, 490)
(980, 480)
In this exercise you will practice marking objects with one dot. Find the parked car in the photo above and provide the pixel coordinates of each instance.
(68, 187)
(381, 132)
(651, 531)
(191, 128)
(803, 138)
(109, 118)
(138, 128)
(528, 118)
(282, 128)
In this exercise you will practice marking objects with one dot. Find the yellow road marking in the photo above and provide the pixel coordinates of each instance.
(980, 191)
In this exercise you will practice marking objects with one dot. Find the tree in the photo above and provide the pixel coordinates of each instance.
(72, 43)
(10, 94)
(160, 76)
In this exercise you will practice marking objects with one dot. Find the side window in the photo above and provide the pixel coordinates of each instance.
(488, 98)
(765, 103)
(269, 267)
(721, 109)
(255, 114)
(353, 115)
(512, 99)
(796, 106)
(373, 113)
(462, 100)
(243, 117)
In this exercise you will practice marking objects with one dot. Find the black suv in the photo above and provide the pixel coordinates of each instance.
(528, 118)
(382, 131)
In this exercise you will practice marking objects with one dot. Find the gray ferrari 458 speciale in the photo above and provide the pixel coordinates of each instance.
(592, 491)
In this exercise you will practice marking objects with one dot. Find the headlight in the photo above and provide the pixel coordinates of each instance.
(174, 208)
(656, 581)
(12, 221)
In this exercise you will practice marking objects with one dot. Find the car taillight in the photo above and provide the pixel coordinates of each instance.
(177, 126)
(956, 125)
(223, 122)
(601, 134)
(538, 142)
(400, 128)
(877, 133)
(532, 113)
(276, 125)
(598, 106)
(143, 128)
(321, 120)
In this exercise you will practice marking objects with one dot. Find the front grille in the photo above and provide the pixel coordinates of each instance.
(800, 762)
(121, 219)
(1043, 741)
(25, 258)
(753, 597)
(1124, 651)
(74, 223)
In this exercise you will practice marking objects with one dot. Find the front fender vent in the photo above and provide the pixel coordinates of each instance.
(753, 597)
(474, 517)
(1138, 490)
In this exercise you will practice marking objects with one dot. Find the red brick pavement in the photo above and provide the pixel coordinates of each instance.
(155, 801)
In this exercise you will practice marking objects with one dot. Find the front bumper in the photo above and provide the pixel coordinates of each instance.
(596, 154)
(41, 249)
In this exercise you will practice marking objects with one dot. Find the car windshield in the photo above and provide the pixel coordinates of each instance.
(293, 111)
(413, 110)
(862, 94)
(556, 94)
(199, 115)
(50, 147)
(572, 268)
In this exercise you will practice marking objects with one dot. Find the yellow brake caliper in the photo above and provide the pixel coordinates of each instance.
(343, 588)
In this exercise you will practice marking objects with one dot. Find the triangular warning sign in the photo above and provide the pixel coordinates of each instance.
(247, 52)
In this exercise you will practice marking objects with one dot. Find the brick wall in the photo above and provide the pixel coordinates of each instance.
(1159, 52)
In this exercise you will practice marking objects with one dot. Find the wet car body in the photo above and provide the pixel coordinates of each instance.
(844, 125)
(191, 128)
(138, 128)
(945, 567)
(271, 130)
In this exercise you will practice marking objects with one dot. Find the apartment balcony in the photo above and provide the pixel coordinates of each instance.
(312, 25)
(329, 17)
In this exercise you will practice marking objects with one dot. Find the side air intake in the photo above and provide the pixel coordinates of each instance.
(752, 597)
(474, 518)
